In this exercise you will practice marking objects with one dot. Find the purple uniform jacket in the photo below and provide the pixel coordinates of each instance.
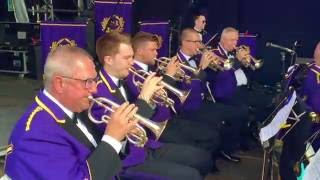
(46, 144)
(108, 89)
(197, 87)
(223, 84)
(162, 113)
(311, 88)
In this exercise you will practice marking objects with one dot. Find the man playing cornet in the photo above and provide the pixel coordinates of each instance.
(231, 86)
(54, 139)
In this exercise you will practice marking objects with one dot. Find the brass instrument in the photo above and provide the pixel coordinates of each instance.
(180, 75)
(248, 60)
(315, 118)
(218, 63)
(163, 96)
(138, 138)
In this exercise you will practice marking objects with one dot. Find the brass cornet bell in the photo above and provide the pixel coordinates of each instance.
(248, 60)
(182, 95)
(180, 75)
(217, 63)
(138, 138)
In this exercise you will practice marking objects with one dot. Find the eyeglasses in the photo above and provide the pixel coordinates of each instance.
(194, 41)
(88, 83)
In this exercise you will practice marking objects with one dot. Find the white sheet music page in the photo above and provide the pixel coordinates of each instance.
(312, 171)
(280, 118)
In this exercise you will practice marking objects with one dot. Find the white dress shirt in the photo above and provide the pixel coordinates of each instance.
(191, 62)
(106, 138)
(239, 74)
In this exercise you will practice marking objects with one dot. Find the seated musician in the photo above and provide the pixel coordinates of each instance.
(231, 86)
(304, 78)
(311, 90)
(51, 142)
(162, 160)
(199, 21)
(197, 107)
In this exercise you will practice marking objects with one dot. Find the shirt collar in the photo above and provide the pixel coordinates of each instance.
(186, 56)
(114, 79)
(225, 51)
(142, 65)
(65, 110)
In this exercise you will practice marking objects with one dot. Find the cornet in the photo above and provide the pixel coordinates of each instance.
(218, 63)
(138, 138)
(248, 60)
(180, 75)
(161, 97)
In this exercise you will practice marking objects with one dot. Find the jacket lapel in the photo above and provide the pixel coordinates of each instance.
(113, 88)
(74, 131)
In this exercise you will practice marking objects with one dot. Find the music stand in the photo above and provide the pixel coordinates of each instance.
(272, 126)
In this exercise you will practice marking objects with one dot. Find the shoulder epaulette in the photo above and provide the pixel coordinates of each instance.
(31, 116)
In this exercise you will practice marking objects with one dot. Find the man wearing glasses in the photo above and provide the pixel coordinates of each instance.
(200, 22)
(54, 138)
(197, 107)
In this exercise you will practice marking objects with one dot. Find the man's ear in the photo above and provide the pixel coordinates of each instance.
(138, 51)
(57, 84)
(108, 60)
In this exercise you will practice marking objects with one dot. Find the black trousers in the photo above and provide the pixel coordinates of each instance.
(173, 161)
(257, 98)
(220, 117)
(182, 131)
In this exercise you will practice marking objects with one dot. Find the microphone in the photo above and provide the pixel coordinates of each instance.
(270, 44)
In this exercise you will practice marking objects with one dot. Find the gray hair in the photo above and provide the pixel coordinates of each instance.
(227, 30)
(62, 61)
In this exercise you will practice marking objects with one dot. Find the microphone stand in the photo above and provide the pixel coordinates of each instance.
(294, 54)
(283, 63)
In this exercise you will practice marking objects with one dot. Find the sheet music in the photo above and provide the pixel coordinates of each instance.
(312, 171)
(280, 118)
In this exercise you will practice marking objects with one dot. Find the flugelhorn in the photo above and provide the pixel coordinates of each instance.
(217, 63)
(139, 138)
(180, 75)
(182, 95)
(247, 60)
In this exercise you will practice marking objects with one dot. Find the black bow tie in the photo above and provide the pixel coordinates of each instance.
(75, 118)
(229, 54)
(120, 83)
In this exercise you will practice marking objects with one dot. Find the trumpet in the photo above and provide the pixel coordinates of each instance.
(247, 60)
(161, 97)
(181, 74)
(138, 138)
(218, 63)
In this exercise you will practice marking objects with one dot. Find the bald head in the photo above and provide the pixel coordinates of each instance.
(187, 33)
(63, 61)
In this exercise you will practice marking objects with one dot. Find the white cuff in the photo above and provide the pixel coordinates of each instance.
(113, 142)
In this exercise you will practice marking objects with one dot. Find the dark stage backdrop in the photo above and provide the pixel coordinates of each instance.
(279, 21)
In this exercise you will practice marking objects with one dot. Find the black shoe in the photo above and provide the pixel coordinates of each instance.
(229, 157)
